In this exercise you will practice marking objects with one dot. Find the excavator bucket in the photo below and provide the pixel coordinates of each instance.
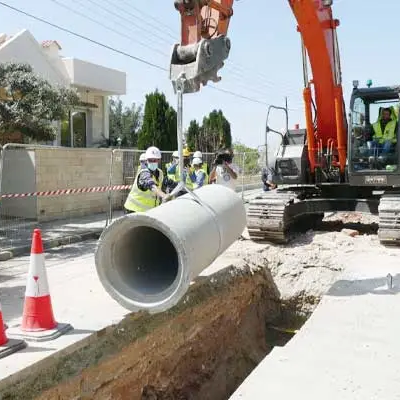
(199, 62)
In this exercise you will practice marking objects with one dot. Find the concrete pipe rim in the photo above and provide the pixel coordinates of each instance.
(111, 253)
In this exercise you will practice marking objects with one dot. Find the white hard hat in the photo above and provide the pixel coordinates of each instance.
(153, 152)
(142, 157)
(175, 154)
(197, 161)
(197, 154)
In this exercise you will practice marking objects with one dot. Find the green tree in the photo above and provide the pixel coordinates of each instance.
(159, 123)
(30, 103)
(125, 122)
(193, 137)
(215, 132)
(248, 155)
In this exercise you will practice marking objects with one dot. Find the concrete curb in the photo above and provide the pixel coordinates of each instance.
(51, 243)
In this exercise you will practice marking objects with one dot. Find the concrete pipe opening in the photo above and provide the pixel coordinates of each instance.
(138, 262)
(147, 261)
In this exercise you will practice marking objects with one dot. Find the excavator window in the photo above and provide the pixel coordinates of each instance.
(374, 134)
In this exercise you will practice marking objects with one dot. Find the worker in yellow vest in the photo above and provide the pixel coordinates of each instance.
(385, 132)
(198, 176)
(173, 170)
(175, 161)
(204, 165)
(146, 192)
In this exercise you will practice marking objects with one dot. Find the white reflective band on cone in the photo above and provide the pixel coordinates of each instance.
(37, 284)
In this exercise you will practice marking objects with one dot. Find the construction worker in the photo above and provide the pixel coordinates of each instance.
(204, 166)
(173, 170)
(146, 190)
(198, 176)
(142, 161)
(175, 161)
(384, 132)
(224, 172)
(267, 177)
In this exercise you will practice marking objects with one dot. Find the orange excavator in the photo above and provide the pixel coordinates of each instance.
(335, 163)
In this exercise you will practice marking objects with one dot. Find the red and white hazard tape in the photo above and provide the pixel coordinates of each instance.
(63, 192)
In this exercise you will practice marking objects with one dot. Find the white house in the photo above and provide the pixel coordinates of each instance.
(89, 123)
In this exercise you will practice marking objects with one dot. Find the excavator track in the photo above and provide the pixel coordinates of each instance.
(389, 219)
(272, 217)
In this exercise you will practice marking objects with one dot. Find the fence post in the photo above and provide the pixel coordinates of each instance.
(243, 173)
(110, 191)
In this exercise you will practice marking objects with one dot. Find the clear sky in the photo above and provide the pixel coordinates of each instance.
(265, 60)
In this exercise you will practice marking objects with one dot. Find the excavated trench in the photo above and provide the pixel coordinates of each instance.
(202, 349)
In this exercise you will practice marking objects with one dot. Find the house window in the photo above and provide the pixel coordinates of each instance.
(74, 130)
(65, 133)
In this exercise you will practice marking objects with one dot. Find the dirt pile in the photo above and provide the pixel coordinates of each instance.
(307, 267)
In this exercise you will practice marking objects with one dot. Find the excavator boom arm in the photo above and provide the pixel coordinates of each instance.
(203, 19)
(205, 46)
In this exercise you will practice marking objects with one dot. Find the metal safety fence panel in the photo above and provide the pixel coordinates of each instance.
(249, 170)
(63, 190)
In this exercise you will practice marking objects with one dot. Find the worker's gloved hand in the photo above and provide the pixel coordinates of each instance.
(166, 198)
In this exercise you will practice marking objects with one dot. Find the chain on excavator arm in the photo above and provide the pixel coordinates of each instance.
(204, 45)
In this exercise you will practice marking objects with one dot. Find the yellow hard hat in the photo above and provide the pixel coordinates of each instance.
(186, 153)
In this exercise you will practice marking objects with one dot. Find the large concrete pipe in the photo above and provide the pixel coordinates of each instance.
(146, 261)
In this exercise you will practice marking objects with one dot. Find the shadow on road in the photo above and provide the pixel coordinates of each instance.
(12, 301)
(337, 226)
(72, 250)
(378, 286)
(32, 348)
(302, 238)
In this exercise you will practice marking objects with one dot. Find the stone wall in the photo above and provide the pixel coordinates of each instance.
(58, 168)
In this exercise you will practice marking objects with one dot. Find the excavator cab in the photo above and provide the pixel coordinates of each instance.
(373, 148)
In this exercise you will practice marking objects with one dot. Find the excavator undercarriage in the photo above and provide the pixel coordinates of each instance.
(277, 215)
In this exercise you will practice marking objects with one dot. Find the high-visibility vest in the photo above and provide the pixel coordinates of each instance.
(172, 177)
(141, 201)
(205, 178)
(389, 132)
(204, 167)
(177, 177)
(189, 183)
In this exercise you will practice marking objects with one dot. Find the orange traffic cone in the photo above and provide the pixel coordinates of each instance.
(3, 336)
(38, 311)
(8, 346)
(38, 322)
